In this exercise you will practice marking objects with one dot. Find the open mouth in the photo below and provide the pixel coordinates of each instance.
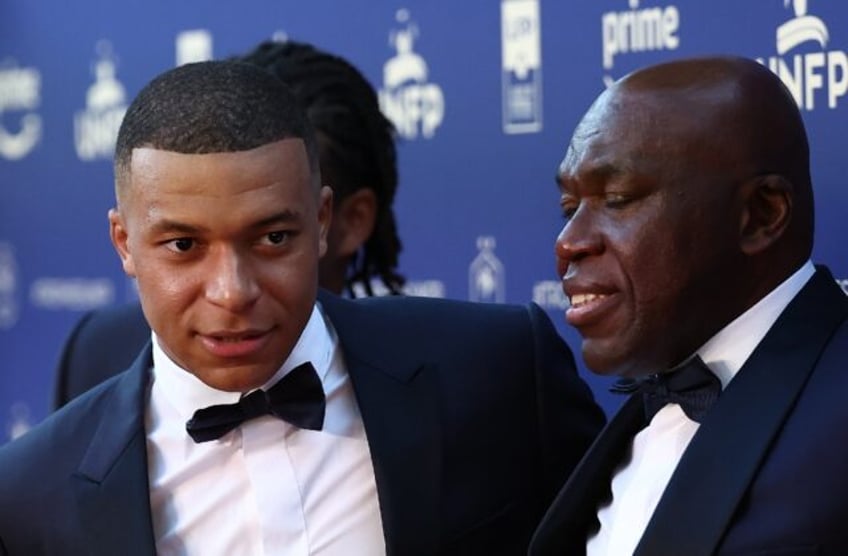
(589, 308)
(581, 299)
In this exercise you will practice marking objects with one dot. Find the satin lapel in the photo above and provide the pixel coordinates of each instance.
(728, 449)
(399, 401)
(111, 483)
(573, 514)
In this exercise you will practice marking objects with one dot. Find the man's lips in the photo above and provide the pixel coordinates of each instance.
(587, 309)
(226, 343)
(581, 299)
(588, 303)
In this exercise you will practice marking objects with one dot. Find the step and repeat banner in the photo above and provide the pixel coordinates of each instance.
(484, 95)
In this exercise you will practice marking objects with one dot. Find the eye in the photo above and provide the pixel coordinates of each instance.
(180, 244)
(568, 205)
(616, 200)
(276, 237)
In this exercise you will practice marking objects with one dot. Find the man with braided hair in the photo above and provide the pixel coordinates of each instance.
(356, 147)
(357, 151)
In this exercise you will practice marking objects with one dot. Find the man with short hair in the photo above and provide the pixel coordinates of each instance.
(266, 417)
(356, 148)
(686, 258)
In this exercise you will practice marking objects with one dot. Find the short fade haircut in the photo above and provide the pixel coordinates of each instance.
(212, 107)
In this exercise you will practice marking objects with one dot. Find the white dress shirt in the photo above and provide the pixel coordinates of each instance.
(656, 450)
(266, 487)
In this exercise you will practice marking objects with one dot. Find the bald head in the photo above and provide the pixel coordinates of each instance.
(743, 106)
(731, 117)
(686, 191)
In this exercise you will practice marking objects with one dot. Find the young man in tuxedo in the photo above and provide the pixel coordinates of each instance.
(266, 416)
(356, 150)
(686, 257)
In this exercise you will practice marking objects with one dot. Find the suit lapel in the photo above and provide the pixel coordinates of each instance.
(398, 398)
(728, 449)
(573, 514)
(111, 483)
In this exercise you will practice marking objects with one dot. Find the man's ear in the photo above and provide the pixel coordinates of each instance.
(118, 234)
(766, 212)
(325, 217)
(355, 218)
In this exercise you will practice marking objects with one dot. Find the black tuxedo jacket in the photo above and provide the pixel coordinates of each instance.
(766, 471)
(474, 416)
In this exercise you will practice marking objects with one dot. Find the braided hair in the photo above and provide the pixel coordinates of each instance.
(356, 144)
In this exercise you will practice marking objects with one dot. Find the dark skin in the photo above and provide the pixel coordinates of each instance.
(354, 219)
(224, 247)
(687, 199)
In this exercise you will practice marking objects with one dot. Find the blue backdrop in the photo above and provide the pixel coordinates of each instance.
(485, 95)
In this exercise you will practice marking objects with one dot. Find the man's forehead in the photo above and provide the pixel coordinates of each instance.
(285, 161)
(143, 154)
(597, 138)
(154, 172)
(591, 171)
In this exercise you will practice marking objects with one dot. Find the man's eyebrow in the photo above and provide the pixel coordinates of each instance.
(169, 226)
(600, 173)
(603, 171)
(283, 217)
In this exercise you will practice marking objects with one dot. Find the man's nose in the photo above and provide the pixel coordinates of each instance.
(230, 282)
(579, 238)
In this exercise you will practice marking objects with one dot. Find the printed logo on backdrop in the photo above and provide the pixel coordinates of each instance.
(415, 288)
(548, 294)
(413, 104)
(639, 29)
(9, 309)
(194, 45)
(521, 66)
(486, 274)
(20, 96)
(96, 126)
(71, 294)
(815, 76)
(19, 421)
(280, 36)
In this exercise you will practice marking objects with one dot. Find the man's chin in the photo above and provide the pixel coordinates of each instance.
(597, 357)
(235, 379)
(603, 360)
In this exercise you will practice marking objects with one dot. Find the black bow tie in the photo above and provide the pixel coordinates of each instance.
(297, 398)
(691, 385)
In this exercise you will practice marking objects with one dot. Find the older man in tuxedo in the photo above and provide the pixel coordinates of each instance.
(686, 257)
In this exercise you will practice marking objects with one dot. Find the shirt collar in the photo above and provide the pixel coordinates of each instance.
(188, 393)
(727, 351)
